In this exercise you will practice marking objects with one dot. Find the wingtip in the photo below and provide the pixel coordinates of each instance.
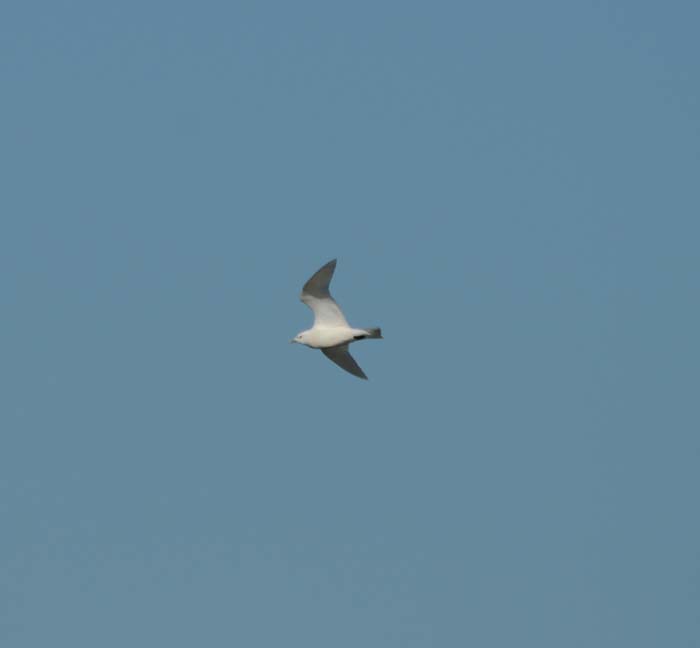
(330, 265)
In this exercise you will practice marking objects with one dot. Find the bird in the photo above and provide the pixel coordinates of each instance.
(331, 332)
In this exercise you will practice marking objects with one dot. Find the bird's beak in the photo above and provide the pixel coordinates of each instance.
(292, 341)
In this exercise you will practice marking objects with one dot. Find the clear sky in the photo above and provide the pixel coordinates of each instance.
(512, 190)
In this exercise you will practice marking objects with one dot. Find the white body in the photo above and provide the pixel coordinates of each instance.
(322, 337)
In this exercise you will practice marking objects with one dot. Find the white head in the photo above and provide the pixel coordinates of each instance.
(300, 338)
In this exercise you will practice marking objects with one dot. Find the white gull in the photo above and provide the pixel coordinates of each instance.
(331, 332)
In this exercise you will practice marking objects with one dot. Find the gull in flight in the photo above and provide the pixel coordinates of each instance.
(331, 332)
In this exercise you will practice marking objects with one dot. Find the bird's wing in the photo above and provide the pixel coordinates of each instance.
(317, 297)
(341, 356)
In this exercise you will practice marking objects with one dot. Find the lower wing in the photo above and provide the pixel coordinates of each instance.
(341, 356)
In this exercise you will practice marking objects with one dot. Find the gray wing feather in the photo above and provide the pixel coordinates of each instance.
(316, 295)
(317, 286)
(341, 356)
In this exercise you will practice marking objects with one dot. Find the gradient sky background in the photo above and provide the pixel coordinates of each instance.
(512, 191)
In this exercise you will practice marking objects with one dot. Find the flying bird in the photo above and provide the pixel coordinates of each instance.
(331, 332)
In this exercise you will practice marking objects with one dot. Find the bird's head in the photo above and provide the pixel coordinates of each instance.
(299, 338)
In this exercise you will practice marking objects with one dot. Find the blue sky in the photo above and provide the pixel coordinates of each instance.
(511, 190)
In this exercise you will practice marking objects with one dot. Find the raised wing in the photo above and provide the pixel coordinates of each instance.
(341, 356)
(317, 297)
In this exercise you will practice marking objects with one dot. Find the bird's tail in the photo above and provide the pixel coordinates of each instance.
(374, 333)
